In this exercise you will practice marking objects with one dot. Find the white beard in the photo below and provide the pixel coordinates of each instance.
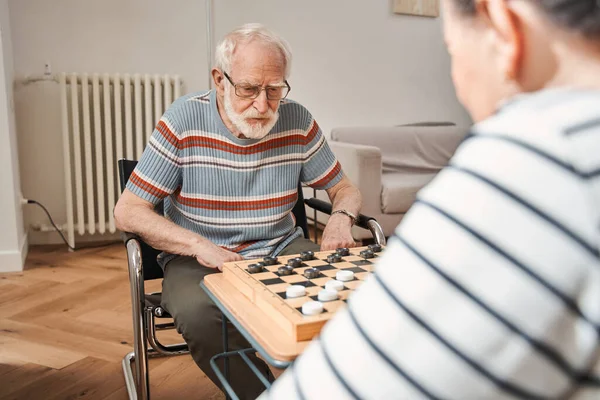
(257, 131)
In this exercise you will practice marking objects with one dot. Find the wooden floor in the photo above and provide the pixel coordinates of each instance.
(65, 324)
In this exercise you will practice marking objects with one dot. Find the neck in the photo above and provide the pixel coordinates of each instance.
(228, 124)
(579, 66)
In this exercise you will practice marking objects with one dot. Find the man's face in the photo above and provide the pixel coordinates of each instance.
(253, 64)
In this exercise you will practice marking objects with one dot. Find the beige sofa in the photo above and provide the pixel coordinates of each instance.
(390, 164)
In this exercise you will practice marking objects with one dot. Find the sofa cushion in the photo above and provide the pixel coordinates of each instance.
(399, 190)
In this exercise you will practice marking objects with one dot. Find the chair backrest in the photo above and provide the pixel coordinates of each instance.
(151, 268)
(149, 264)
(299, 212)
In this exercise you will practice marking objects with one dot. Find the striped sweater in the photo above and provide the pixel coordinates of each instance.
(490, 286)
(237, 193)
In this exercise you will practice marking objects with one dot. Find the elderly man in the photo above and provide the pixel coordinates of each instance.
(227, 164)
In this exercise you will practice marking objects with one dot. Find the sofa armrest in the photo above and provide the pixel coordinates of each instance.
(362, 165)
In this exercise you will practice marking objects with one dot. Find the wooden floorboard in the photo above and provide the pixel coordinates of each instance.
(65, 324)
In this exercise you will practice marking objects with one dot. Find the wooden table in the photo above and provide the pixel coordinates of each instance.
(270, 341)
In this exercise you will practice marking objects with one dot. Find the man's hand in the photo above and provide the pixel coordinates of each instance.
(337, 233)
(213, 256)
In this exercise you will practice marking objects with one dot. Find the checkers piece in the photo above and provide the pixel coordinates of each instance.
(334, 258)
(270, 260)
(344, 275)
(333, 284)
(295, 262)
(295, 291)
(375, 248)
(307, 255)
(327, 295)
(311, 273)
(343, 251)
(256, 268)
(367, 254)
(285, 270)
(312, 308)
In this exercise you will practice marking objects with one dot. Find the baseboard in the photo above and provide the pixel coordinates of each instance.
(24, 248)
(13, 260)
(10, 261)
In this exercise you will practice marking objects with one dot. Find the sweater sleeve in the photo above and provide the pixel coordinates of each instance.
(321, 170)
(158, 172)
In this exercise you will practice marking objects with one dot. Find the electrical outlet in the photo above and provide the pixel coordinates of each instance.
(47, 69)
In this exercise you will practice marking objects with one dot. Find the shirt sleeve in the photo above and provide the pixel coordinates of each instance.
(465, 303)
(321, 170)
(158, 172)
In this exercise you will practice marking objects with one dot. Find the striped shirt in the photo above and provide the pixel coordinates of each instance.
(490, 287)
(237, 193)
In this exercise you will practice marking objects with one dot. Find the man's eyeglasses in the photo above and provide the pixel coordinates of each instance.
(247, 91)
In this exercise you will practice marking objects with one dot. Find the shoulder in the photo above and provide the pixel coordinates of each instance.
(295, 115)
(195, 105)
(542, 123)
(525, 158)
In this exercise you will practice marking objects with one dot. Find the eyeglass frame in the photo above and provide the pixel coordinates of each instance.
(261, 88)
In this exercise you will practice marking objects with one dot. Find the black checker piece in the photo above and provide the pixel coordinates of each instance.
(292, 273)
(270, 260)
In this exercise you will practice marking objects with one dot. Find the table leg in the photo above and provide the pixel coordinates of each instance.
(315, 218)
(225, 349)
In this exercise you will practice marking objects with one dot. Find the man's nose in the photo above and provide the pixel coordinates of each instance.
(261, 103)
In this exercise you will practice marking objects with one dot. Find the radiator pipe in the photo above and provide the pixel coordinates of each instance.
(67, 161)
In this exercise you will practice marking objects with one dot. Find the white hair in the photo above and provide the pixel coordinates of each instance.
(245, 34)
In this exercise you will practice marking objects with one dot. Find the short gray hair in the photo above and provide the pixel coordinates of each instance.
(246, 33)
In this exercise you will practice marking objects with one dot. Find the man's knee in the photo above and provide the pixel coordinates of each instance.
(183, 298)
(197, 317)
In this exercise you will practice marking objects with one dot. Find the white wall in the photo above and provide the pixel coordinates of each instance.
(355, 63)
(126, 36)
(13, 243)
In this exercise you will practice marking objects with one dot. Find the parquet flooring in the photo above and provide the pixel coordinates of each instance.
(65, 324)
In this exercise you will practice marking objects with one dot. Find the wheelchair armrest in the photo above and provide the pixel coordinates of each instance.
(362, 221)
(325, 207)
(127, 236)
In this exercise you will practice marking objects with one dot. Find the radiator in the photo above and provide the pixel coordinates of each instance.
(105, 117)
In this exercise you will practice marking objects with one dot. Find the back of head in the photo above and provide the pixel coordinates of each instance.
(527, 45)
(580, 16)
(246, 34)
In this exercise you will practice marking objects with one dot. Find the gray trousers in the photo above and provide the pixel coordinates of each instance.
(198, 320)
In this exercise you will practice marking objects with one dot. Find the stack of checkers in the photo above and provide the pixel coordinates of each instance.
(313, 284)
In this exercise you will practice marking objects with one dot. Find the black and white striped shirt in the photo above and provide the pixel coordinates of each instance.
(490, 287)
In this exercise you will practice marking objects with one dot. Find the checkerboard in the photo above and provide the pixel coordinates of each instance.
(267, 289)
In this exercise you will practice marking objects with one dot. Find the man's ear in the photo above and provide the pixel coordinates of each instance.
(218, 79)
(506, 25)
